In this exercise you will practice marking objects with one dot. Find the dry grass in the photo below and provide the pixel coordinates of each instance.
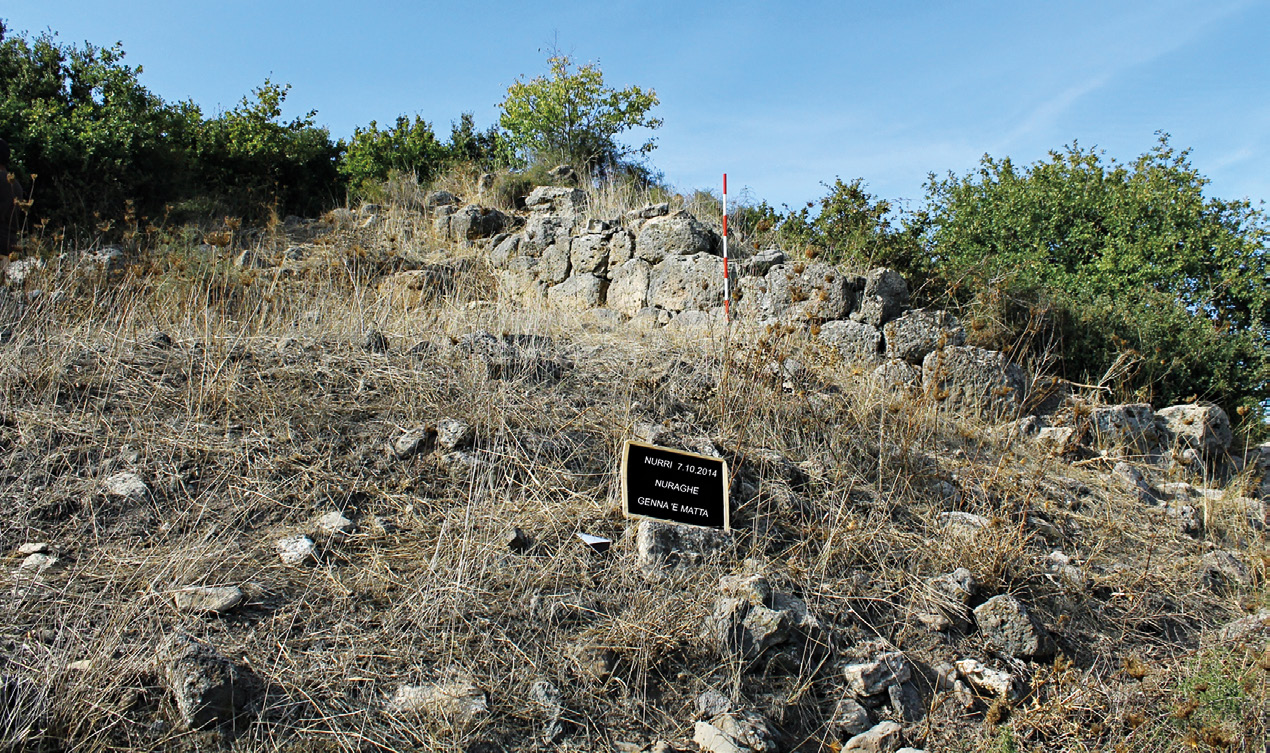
(264, 411)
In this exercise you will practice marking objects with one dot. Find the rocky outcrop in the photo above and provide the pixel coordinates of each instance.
(974, 379)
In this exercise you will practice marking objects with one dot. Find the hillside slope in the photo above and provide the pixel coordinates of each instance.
(189, 417)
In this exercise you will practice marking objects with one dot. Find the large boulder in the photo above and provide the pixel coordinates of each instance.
(857, 342)
(1203, 428)
(681, 283)
(801, 291)
(554, 266)
(678, 234)
(914, 334)
(473, 223)
(581, 291)
(663, 548)
(973, 379)
(589, 253)
(543, 230)
(519, 280)
(628, 290)
(885, 297)
(1131, 428)
(557, 200)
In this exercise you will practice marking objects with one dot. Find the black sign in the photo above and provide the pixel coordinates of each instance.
(681, 487)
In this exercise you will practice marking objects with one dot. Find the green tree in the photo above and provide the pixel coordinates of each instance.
(408, 147)
(569, 115)
(250, 157)
(1128, 264)
(855, 227)
(80, 119)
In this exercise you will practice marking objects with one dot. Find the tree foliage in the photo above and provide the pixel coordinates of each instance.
(252, 157)
(79, 118)
(855, 227)
(569, 115)
(411, 147)
(1130, 264)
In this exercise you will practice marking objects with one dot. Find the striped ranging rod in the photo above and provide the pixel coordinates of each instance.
(727, 293)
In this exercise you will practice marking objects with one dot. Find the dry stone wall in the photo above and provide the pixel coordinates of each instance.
(658, 267)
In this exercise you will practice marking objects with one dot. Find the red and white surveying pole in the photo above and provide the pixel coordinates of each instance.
(727, 293)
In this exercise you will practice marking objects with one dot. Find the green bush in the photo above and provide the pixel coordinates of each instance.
(250, 159)
(854, 227)
(412, 148)
(80, 120)
(1136, 268)
(570, 116)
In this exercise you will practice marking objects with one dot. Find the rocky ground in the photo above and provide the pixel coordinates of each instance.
(319, 487)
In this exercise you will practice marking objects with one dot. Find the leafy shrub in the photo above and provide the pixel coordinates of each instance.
(80, 119)
(250, 158)
(570, 116)
(1138, 268)
(856, 228)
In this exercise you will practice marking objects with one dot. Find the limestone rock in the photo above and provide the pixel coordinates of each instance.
(564, 174)
(519, 280)
(1222, 571)
(911, 336)
(579, 292)
(1008, 628)
(474, 223)
(897, 376)
(333, 523)
(885, 297)
(814, 291)
(38, 563)
(647, 212)
(883, 737)
(974, 379)
(993, 683)
(126, 485)
(663, 548)
(850, 718)
(457, 701)
(873, 677)
(414, 442)
(857, 342)
(435, 199)
(589, 254)
(544, 230)
(628, 291)
(950, 595)
(453, 434)
(684, 282)
(208, 599)
(712, 703)
(557, 200)
(1132, 480)
(205, 685)
(1247, 629)
(554, 266)
(761, 263)
(678, 234)
(963, 524)
(296, 550)
(739, 732)
(1203, 428)
(1130, 428)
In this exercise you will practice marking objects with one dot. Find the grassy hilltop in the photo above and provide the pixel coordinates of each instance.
(259, 382)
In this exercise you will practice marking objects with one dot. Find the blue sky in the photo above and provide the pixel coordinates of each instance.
(781, 96)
